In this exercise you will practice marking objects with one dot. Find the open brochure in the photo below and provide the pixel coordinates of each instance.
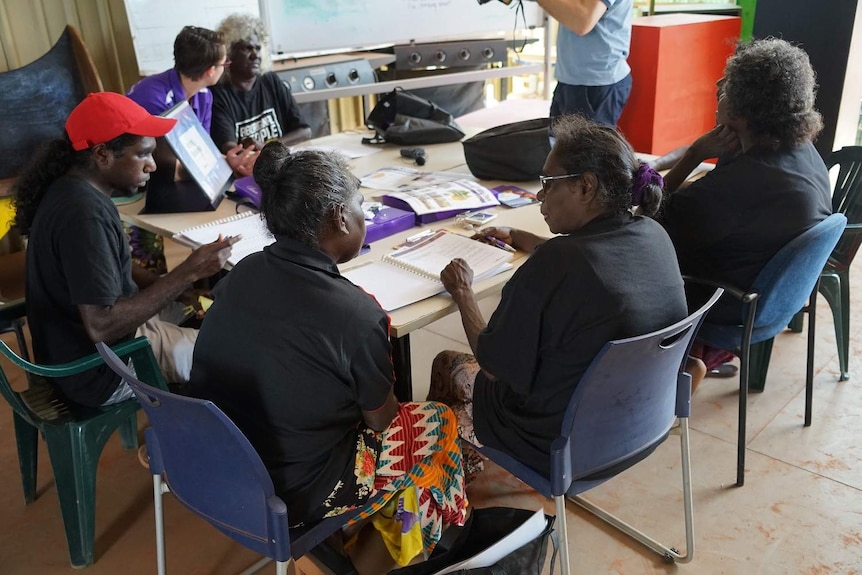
(432, 196)
(458, 195)
(412, 273)
(249, 225)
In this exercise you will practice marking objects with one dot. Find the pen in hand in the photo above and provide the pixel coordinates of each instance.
(500, 244)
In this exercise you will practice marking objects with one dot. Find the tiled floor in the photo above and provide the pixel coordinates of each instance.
(799, 512)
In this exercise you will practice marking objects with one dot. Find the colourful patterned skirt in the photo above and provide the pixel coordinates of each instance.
(419, 450)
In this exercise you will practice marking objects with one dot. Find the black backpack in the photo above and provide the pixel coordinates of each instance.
(406, 119)
(511, 152)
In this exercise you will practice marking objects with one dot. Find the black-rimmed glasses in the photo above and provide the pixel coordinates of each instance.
(547, 181)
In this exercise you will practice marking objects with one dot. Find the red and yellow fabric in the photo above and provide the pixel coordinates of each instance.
(420, 452)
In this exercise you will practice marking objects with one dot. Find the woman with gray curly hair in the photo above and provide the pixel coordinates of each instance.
(770, 183)
(251, 105)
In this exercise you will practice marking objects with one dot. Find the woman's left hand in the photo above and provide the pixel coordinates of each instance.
(457, 278)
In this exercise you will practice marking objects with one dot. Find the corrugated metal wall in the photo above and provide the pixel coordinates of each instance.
(28, 29)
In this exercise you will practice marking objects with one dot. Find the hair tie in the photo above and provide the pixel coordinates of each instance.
(644, 176)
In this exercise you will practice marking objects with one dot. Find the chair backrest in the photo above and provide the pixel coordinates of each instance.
(210, 466)
(786, 282)
(37, 98)
(6, 390)
(626, 401)
(847, 199)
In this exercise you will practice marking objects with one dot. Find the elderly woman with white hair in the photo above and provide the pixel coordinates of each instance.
(252, 106)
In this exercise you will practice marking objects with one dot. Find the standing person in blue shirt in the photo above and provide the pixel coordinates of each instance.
(593, 77)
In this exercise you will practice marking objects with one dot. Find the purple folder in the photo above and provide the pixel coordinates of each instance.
(247, 188)
(428, 218)
(388, 221)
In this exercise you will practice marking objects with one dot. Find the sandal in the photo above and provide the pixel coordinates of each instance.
(723, 370)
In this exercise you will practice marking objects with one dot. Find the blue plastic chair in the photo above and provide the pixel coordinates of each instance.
(779, 291)
(199, 454)
(621, 410)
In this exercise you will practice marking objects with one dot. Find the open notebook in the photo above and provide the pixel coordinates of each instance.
(249, 225)
(412, 273)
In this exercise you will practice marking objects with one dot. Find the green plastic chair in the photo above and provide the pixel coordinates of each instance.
(835, 279)
(11, 320)
(75, 436)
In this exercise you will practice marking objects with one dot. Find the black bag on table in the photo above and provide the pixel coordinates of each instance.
(484, 528)
(511, 152)
(406, 119)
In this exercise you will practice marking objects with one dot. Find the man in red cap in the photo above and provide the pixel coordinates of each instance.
(81, 284)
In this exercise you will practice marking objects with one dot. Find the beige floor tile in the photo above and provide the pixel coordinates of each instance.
(831, 446)
(784, 520)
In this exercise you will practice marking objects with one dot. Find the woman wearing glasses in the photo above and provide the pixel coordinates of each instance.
(607, 275)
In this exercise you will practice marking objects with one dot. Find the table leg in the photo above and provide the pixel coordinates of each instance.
(401, 364)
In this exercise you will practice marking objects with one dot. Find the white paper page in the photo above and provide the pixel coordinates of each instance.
(252, 228)
(529, 530)
(401, 179)
(388, 179)
(435, 253)
(392, 286)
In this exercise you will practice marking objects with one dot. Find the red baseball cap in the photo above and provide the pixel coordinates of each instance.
(102, 116)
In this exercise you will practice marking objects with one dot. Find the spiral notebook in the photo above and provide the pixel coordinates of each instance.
(412, 273)
(249, 225)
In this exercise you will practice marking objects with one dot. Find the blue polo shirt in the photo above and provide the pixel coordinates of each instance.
(599, 57)
(163, 91)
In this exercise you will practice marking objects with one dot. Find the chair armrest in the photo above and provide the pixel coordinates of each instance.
(743, 296)
(852, 229)
(12, 309)
(137, 348)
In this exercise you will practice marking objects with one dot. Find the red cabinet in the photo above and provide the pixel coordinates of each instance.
(675, 60)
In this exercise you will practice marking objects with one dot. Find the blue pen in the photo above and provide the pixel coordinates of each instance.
(500, 244)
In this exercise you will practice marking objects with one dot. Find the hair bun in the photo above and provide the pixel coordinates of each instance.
(270, 163)
(642, 178)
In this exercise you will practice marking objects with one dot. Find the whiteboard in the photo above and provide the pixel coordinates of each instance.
(155, 23)
(301, 27)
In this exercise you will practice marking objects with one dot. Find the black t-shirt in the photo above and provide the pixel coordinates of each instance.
(616, 277)
(293, 352)
(77, 254)
(265, 112)
(728, 225)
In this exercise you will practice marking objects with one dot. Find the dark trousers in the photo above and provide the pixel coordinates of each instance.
(603, 104)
